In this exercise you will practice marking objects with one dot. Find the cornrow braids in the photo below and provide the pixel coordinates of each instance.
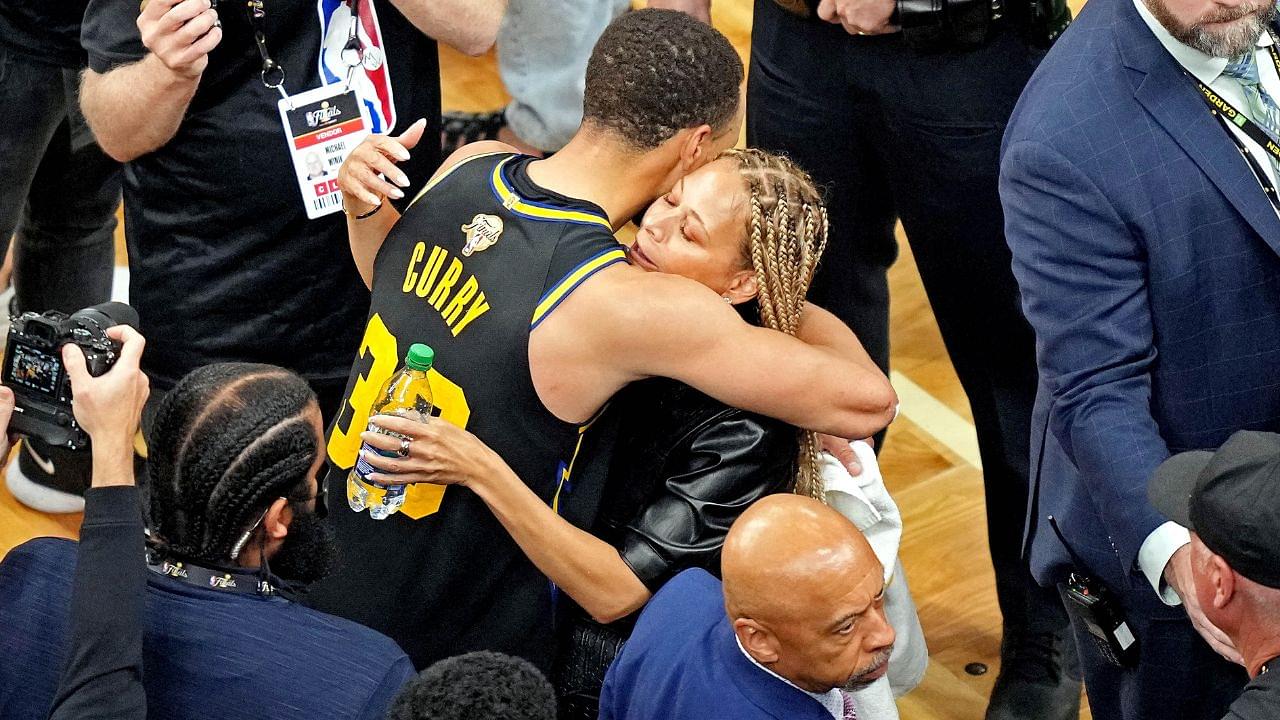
(227, 441)
(786, 236)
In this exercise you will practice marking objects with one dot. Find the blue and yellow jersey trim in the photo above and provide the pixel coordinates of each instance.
(558, 292)
(506, 195)
(564, 471)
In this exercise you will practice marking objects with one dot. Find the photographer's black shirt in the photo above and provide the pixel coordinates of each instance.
(224, 263)
(45, 31)
(1261, 697)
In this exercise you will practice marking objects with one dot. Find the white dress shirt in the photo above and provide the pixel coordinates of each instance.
(1165, 540)
(832, 700)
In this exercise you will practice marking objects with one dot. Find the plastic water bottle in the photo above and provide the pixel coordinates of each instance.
(407, 394)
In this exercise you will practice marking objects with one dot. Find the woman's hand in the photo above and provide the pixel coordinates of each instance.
(439, 453)
(361, 177)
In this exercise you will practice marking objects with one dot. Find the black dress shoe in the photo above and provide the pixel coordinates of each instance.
(1037, 680)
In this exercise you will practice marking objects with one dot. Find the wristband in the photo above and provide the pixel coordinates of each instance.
(362, 216)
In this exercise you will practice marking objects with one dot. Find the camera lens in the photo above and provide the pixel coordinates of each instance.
(108, 314)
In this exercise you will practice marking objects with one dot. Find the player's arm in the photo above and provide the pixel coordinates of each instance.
(137, 107)
(369, 176)
(820, 329)
(470, 26)
(673, 327)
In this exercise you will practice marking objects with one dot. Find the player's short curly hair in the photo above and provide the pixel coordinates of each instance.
(654, 73)
(476, 685)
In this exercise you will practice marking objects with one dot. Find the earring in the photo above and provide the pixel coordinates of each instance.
(726, 299)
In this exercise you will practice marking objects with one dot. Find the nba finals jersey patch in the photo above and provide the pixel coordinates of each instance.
(482, 232)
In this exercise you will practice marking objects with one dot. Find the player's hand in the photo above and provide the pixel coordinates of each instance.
(439, 453)
(859, 17)
(180, 34)
(370, 175)
(109, 407)
(700, 9)
(1178, 574)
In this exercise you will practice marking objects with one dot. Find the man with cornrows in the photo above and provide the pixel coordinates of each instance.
(235, 533)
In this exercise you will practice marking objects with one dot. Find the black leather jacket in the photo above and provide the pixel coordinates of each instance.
(684, 467)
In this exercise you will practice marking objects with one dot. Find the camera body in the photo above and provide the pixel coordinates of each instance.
(33, 367)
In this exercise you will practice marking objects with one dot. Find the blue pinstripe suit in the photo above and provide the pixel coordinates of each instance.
(1149, 263)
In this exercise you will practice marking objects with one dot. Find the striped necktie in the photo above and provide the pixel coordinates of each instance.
(850, 713)
(1262, 107)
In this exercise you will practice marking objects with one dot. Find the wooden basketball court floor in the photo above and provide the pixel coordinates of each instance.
(930, 459)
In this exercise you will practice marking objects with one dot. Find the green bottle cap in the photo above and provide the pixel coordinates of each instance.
(420, 357)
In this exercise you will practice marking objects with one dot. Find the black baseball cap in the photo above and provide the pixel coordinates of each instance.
(1230, 498)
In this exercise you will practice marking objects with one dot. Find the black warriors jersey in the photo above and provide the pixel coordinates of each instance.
(477, 262)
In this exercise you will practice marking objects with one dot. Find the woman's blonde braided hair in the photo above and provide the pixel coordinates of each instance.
(786, 235)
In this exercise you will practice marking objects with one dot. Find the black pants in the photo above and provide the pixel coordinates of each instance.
(891, 133)
(60, 191)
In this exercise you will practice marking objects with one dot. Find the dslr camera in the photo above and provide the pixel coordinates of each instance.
(33, 367)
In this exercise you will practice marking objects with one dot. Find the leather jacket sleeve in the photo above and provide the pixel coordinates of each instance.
(710, 476)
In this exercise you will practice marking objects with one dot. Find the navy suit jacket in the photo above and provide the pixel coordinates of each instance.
(683, 663)
(1146, 253)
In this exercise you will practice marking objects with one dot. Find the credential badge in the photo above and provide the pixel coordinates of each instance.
(482, 232)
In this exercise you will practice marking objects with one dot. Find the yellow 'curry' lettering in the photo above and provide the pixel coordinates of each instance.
(458, 305)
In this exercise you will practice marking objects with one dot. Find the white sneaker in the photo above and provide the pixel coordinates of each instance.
(37, 495)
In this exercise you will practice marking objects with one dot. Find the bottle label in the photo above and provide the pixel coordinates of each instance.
(364, 469)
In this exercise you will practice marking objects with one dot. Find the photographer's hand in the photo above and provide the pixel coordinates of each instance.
(6, 412)
(109, 407)
(859, 17)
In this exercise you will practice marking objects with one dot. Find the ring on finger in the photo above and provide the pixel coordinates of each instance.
(404, 447)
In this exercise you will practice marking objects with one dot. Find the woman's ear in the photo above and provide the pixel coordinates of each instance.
(742, 287)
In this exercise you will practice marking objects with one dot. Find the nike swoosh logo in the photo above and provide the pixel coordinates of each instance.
(45, 465)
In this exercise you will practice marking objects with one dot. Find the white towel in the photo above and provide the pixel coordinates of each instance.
(867, 503)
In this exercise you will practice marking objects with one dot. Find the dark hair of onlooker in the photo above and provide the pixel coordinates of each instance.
(476, 686)
(227, 441)
(654, 73)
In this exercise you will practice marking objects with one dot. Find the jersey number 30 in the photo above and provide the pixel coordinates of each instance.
(383, 350)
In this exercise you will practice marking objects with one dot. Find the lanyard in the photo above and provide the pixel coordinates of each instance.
(1227, 113)
(272, 73)
(353, 52)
